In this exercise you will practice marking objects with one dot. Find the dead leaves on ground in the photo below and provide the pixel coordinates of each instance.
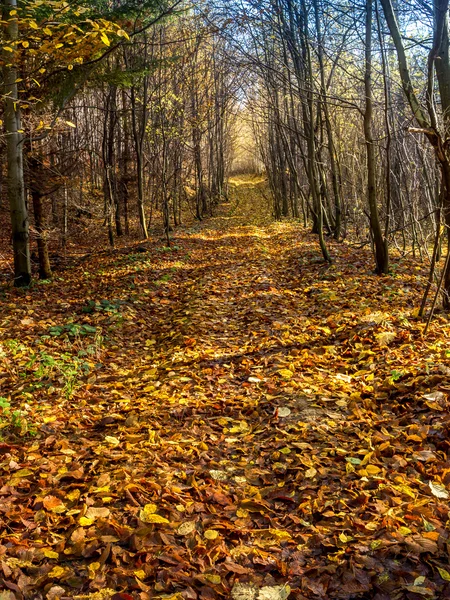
(238, 424)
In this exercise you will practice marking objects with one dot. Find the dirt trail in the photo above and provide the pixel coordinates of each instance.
(249, 416)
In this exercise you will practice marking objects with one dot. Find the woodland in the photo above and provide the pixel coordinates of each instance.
(224, 300)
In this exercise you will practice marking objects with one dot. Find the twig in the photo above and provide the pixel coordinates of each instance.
(433, 306)
(432, 265)
(132, 498)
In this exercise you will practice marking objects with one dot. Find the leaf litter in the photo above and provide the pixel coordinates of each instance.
(243, 421)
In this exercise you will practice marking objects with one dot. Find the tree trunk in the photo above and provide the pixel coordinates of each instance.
(381, 250)
(138, 135)
(14, 152)
(45, 270)
(331, 147)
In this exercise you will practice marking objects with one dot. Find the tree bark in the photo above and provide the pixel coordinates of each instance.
(45, 270)
(381, 250)
(14, 152)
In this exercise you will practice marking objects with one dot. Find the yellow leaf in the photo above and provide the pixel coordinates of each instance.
(93, 568)
(22, 473)
(70, 124)
(8, 49)
(33, 25)
(444, 574)
(105, 39)
(211, 534)
(73, 495)
(404, 530)
(122, 33)
(404, 489)
(152, 518)
(50, 419)
(50, 553)
(25, 44)
(372, 469)
(140, 574)
(310, 473)
(366, 459)
(214, 579)
(109, 439)
(147, 515)
(85, 522)
(56, 573)
(150, 509)
(285, 373)
(280, 533)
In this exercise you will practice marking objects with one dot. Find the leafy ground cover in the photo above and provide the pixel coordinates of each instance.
(225, 418)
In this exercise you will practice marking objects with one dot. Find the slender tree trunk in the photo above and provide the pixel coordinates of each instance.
(14, 154)
(329, 129)
(313, 166)
(381, 253)
(442, 66)
(45, 270)
(36, 182)
(65, 231)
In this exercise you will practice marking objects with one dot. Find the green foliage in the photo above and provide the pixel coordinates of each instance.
(72, 329)
(396, 375)
(65, 369)
(103, 306)
(12, 419)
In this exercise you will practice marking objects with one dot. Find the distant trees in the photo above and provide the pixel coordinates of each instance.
(135, 96)
(332, 122)
(433, 119)
(125, 110)
(37, 40)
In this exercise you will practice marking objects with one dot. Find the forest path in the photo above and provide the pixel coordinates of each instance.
(249, 418)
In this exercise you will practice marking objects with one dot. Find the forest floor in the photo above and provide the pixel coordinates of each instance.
(227, 418)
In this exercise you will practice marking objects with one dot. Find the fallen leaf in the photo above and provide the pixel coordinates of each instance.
(438, 490)
(285, 373)
(56, 573)
(112, 441)
(284, 411)
(310, 473)
(277, 592)
(150, 517)
(211, 534)
(444, 574)
(186, 528)
(244, 591)
(96, 512)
